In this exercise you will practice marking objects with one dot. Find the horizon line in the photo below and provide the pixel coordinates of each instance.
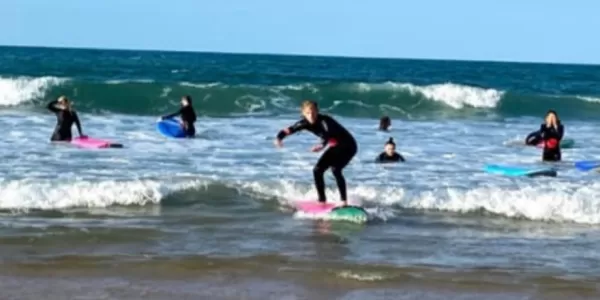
(300, 55)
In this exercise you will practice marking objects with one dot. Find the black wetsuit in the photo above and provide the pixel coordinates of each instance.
(342, 148)
(64, 122)
(188, 116)
(550, 133)
(534, 138)
(384, 158)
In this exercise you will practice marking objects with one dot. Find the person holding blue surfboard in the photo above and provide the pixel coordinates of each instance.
(550, 135)
(342, 147)
(188, 116)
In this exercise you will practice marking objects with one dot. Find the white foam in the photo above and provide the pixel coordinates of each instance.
(117, 81)
(19, 90)
(454, 95)
(589, 99)
(201, 85)
(56, 194)
(440, 174)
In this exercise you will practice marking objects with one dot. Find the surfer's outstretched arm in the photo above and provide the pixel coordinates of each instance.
(298, 126)
(175, 114)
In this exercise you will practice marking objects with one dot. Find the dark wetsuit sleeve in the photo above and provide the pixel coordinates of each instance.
(300, 125)
(77, 123)
(400, 157)
(551, 132)
(561, 131)
(52, 107)
(172, 115)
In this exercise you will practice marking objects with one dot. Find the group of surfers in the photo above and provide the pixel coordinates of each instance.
(340, 145)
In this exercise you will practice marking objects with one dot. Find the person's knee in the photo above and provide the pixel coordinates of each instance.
(337, 172)
(318, 170)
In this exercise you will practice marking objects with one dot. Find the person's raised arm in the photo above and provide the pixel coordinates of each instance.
(52, 106)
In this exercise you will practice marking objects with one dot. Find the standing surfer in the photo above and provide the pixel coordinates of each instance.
(188, 116)
(342, 147)
(65, 117)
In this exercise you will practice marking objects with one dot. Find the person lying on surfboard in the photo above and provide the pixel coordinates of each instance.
(342, 147)
(389, 154)
(65, 117)
(188, 116)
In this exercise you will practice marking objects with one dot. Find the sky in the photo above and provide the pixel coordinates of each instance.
(501, 30)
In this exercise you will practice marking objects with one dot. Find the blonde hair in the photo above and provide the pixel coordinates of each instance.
(309, 104)
(63, 99)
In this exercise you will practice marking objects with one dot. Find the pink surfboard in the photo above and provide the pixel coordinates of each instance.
(92, 143)
(315, 207)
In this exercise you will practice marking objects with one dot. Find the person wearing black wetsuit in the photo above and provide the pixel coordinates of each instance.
(552, 133)
(188, 116)
(342, 147)
(389, 155)
(385, 123)
(65, 117)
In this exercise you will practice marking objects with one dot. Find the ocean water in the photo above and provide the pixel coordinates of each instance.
(210, 218)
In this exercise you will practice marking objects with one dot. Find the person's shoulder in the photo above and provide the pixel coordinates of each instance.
(326, 117)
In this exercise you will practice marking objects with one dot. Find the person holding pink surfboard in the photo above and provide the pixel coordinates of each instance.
(342, 147)
(65, 118)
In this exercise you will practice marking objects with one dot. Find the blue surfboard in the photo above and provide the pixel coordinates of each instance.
(520, 171)
(586, 165)
(170, 128)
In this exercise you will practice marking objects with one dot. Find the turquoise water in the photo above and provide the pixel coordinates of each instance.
(172, 218)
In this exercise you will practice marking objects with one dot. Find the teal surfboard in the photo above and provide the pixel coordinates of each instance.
(516, 171)
(349, 213)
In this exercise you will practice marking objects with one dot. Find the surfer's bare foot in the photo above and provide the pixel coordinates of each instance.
(344, 203)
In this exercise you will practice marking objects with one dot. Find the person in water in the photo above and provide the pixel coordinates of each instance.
(550, 134)
(389, 154)
(188, 116)
(385, 123)
(65, 117)
(342, 147)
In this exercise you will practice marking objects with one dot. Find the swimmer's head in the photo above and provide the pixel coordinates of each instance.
(390, 147)
(186, 100)
(310, 110)
(385, 123)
